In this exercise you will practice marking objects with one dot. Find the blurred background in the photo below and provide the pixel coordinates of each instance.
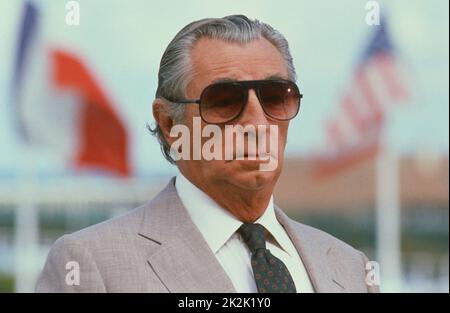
(367, 157)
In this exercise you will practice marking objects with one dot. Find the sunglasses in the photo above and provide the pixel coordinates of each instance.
(223, 102)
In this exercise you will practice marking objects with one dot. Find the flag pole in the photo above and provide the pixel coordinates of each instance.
(26, 243)
(388, 223)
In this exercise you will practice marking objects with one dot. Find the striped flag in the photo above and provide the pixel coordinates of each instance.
(353, 133)
(59, 103)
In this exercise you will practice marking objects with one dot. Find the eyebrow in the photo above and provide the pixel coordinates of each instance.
(229, 79)
(224, 80)
(276, 76)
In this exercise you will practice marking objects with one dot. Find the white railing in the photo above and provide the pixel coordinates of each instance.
(26, 197)
(25, 253)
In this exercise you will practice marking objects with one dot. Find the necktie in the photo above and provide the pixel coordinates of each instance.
(271, 275)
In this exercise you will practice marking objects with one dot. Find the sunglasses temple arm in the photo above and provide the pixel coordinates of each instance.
(185, 101)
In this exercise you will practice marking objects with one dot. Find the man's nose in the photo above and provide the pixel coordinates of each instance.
(253, 113)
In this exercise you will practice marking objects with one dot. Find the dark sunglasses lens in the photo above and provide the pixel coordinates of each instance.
(280, 100)
(221, 103)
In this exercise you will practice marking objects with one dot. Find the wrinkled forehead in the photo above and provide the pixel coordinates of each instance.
(214, 60)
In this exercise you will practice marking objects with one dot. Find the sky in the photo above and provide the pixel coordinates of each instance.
(122, 41)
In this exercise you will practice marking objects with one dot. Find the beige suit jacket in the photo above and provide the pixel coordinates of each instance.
(157, 248)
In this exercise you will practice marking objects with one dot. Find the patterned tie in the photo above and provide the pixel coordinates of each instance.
(271, 275)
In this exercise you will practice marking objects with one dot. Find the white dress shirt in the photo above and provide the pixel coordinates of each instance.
(219, 228)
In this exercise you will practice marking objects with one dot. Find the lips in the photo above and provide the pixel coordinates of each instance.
(256, 156)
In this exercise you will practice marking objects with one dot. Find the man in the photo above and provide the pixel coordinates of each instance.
(215, 227)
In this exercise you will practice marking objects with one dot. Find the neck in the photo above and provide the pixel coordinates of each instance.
(246, 205)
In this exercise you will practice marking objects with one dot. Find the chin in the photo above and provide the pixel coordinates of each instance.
(247, 175)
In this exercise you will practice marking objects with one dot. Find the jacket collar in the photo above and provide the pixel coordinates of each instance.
(180, 257)
(184, 262)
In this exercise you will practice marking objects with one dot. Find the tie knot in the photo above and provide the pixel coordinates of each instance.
(253, 236)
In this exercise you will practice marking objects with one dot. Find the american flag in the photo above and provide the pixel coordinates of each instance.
(353, 133)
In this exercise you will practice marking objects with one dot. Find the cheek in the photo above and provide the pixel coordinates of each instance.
(191, 111)
(282, 134)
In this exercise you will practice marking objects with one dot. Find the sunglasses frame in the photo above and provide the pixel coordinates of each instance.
(247, 84)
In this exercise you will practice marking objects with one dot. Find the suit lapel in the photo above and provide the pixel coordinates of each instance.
(180, 256)
(317, 257)
(183, 261)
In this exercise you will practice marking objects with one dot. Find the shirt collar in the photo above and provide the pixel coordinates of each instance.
(207, 214)
(270, 222)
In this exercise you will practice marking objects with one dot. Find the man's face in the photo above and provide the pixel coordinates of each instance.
(212, 60)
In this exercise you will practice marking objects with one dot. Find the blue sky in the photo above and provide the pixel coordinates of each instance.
(123, 41)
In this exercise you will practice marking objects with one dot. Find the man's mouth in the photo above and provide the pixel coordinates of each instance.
(251, 156)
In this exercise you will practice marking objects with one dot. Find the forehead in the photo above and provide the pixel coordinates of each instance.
(214, 59)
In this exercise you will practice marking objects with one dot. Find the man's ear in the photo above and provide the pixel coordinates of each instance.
(163, 119)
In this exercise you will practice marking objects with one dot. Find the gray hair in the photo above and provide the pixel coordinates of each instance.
(175, 65)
